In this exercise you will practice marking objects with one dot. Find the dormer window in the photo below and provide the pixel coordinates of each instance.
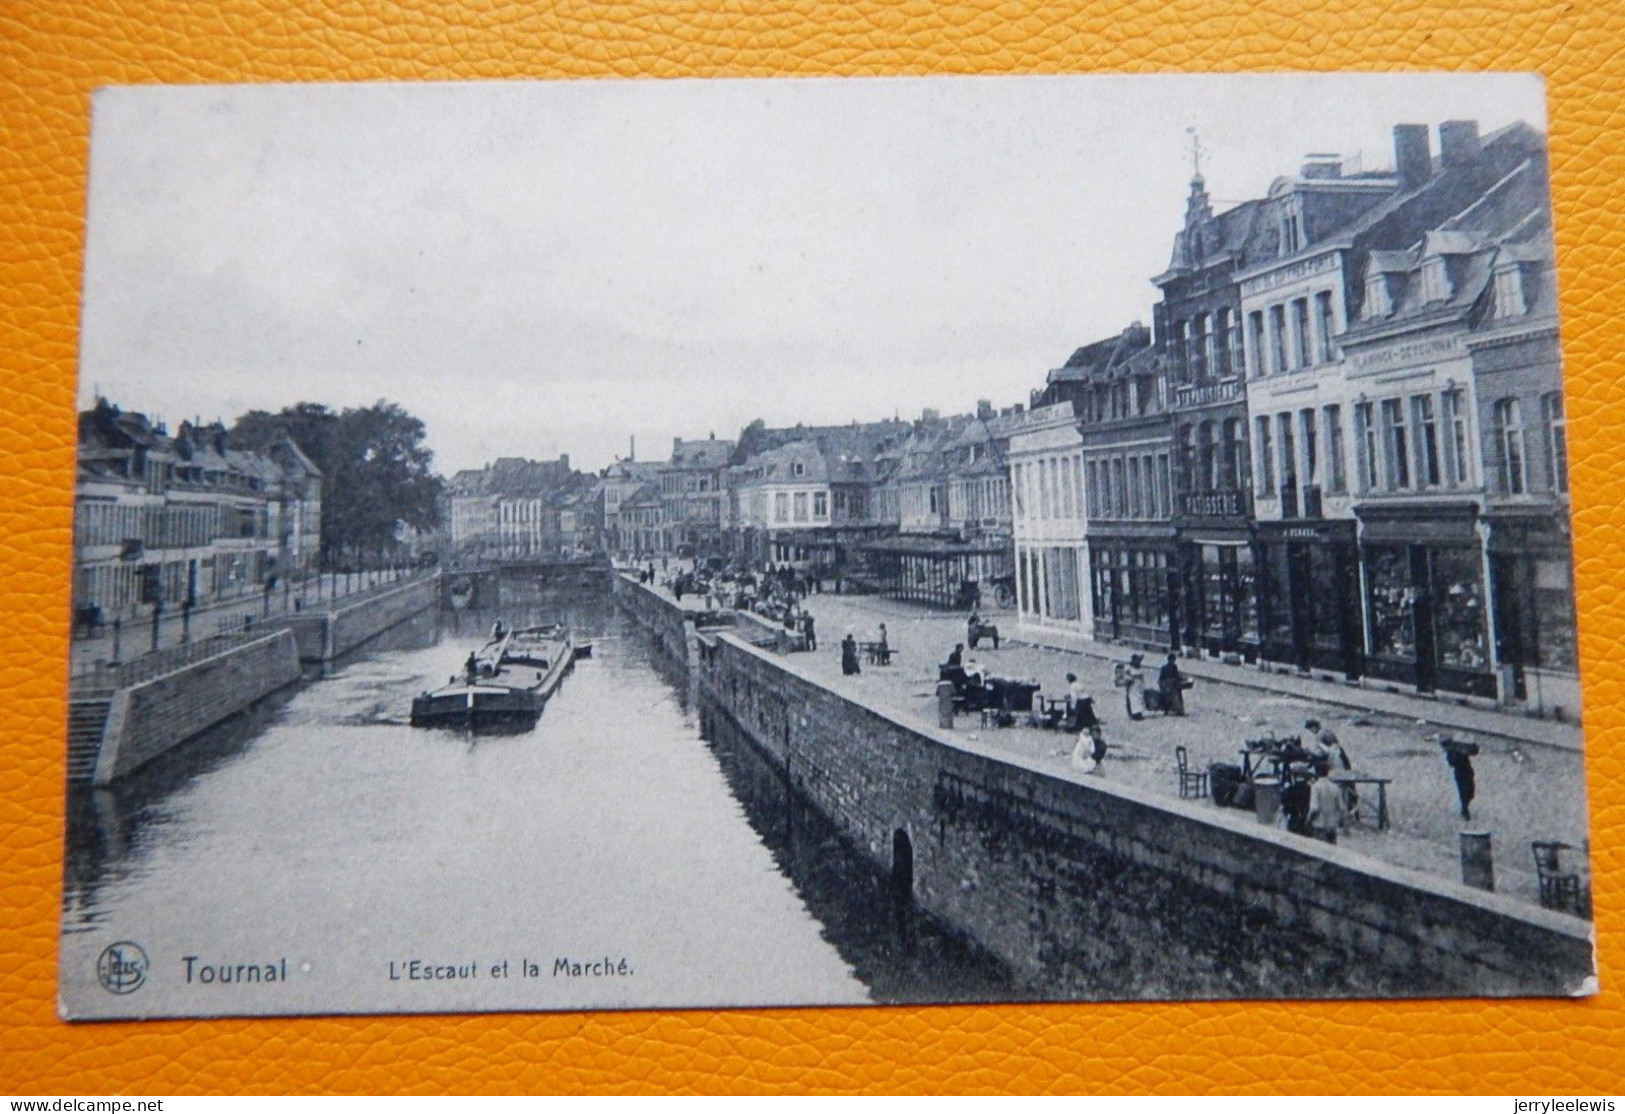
(1377, 301)
(1509, 298)
(1435, 281)
(798, 469)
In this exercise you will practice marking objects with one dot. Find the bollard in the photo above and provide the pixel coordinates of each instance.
(945, 704)
(1267, 799)
(1477, 861)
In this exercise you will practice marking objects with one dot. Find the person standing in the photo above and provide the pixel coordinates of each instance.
(1171, 683)
(849, 655)
(1327, 809)
(808, 630)
(1134, 687)
(1459, 755)
(1089, 730)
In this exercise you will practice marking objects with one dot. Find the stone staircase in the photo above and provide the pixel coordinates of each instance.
(87, 718)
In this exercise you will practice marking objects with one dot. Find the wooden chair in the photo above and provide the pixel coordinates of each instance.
(1559, 889)
(1192, 783)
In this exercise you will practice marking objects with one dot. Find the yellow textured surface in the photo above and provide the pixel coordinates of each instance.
(53, 53)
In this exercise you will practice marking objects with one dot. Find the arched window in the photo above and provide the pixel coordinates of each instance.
(1509, 431)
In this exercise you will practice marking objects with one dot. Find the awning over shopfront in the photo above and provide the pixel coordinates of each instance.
(933, 570)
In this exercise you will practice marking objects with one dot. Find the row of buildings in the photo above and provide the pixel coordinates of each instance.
(1339, 448)
(167, 521)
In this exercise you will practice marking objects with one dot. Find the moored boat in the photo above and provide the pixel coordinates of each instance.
(505, 683)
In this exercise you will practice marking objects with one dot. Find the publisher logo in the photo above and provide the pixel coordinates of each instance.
(122, 967)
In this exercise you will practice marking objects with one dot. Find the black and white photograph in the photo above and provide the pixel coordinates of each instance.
(593, 545)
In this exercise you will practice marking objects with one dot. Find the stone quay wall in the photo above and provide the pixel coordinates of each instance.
(152, 717)
(1099, 890)
(671, 626)
(351, 624)
(323, 635)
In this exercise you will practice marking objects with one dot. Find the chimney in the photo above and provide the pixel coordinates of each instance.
(1458, 142)
(1413, 161)
(676, 445)
(564, 461)
(984, 408)
(1321, 166)
(632, 447)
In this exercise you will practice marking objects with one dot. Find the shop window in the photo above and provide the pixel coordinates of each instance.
(1458, 607)
(1509, 433)
(1246, 594)
(1554, 615)
(1557, 440)
(1391, 611)
(1278, 613)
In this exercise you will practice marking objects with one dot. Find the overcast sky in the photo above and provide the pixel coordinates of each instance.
(536, 268)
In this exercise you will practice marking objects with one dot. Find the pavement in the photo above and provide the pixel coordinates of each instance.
(135, 634)
(1530, 773)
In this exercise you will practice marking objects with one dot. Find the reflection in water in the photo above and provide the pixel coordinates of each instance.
(321, 827)
(899, 952)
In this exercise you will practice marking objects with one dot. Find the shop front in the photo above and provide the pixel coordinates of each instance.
(1427, 620)
(1050, 585)
(1134, 591)
(1219, 577)
(1533, 612)
(1308, 596)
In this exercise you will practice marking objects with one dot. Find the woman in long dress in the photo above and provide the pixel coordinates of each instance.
(1134, 687)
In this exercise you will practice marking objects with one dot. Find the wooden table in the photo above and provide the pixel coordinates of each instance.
(1353, 780)
(876, 653)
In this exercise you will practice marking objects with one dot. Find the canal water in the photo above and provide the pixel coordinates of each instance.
(319, 855)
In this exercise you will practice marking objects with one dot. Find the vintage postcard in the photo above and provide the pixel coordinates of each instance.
(570, 546)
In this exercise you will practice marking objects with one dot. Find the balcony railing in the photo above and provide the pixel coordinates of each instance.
(1213, 504)
(1207, 394)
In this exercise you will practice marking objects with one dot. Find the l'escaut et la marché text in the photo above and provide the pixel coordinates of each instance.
(419, 970)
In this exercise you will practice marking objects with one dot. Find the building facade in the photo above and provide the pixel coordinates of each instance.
(1329, 430)
(1050, 530)
(1118, 393)
(165, 523)
(694, 496)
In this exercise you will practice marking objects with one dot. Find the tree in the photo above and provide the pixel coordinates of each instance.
(376, 469)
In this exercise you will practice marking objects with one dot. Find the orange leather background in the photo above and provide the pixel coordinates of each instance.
(53, 53)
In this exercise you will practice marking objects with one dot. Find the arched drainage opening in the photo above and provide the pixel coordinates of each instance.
(902, 867)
